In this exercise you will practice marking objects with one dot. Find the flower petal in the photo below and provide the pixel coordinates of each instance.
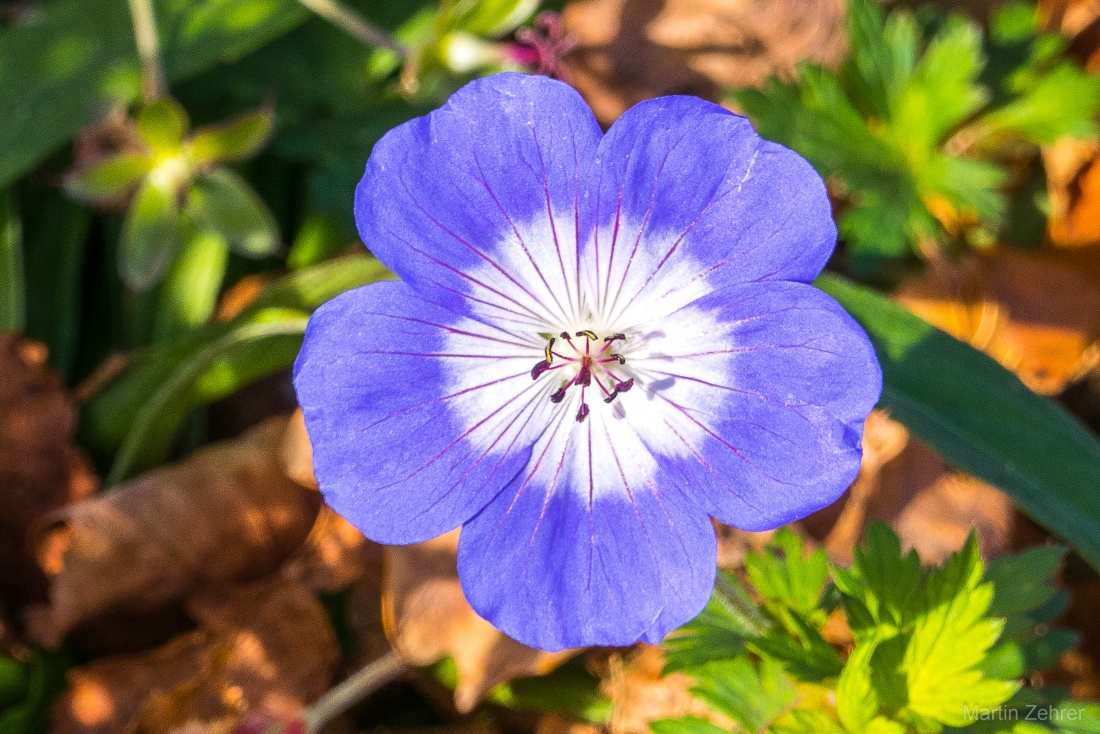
(590, 545)
(475, 204)
(768, 385)
(417, 416)
(688, 189)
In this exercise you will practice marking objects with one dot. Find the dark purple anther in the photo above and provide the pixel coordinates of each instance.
(559, 396)
(625, 385)
(539, 368)
(582, 413)
(584, 376)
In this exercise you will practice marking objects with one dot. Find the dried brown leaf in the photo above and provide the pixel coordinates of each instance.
(40, 470)
(640, 693)
(905, 484)
(428, 618)
(630, 50)
(264, 647)
(1035, 312)
(228, 513)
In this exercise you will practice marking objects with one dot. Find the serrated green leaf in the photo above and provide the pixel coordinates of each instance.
(874, 71)
(108, 179)
(856, 698)
(686, 725)
(950, 638)
(223, 202)
(234, 140)
(783, 574)
(981, 418)
(973, 186)
(1024, 581)
(720, 630)
(1063, 102)
(162, 125)
(750, 695)
(941, 93)
(150, 234)
(806, 721)
(569, 688)
(882, 580)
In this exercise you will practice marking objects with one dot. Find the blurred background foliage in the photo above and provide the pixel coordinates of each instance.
(176, 182)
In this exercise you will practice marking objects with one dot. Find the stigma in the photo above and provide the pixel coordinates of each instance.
(589, 363)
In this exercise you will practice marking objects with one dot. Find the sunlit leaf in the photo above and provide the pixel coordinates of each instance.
(223, 202)
(150, 234)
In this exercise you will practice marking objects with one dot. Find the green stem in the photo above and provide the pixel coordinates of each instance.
(354, 25)
(353, 690)
(145, 34)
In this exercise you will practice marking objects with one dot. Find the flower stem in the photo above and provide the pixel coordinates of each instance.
(352, 691)
(148, 46)
(354, 25)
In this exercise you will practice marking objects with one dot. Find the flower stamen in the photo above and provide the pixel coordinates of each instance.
(589, 368)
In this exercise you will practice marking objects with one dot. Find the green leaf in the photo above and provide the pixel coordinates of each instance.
(150, 234)
(234, 140)
(190, 292)
(13, 305)
(162, 125)
(856, 698)
(569, 688)
(720, 630)
(108, 421)
(45, 680)
(750, 695)
(807, 721)
(65, 65)
(223, 202)
(492, 18)
(950, 638)
(14, 681)
(108, 179)
(686, 725)
(881, 580)
(56, 237)
(981, 418)
(780, 572)
(875, 70)
(1025, 581)
(1063, 102)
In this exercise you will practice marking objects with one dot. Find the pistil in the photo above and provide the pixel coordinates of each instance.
(590, 367)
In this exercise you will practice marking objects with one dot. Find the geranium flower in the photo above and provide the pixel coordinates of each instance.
(600, 342)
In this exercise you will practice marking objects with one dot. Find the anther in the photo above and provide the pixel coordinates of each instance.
(558, 396)
(590, 334)
(612, 395)
(582, 413)
(614, 337)
(625, 385)
(565, 335)
(549, 353)
(618, 358)
(539, 368)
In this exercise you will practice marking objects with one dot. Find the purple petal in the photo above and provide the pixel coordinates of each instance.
(417, 416)
(767, 395)
(684, 186)
(476, 204)
(591, 545)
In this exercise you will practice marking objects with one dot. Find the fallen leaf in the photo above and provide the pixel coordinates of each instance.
(1073, 185)
(40, 469)
(334, 556)
(297, 452)
(227, 513)
(1035, 312)
(905, 484)
(427, 618)
(640, 694)
(555, 723)
(265, 647)
(630, 50)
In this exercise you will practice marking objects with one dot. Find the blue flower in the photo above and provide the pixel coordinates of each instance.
(600, 341)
